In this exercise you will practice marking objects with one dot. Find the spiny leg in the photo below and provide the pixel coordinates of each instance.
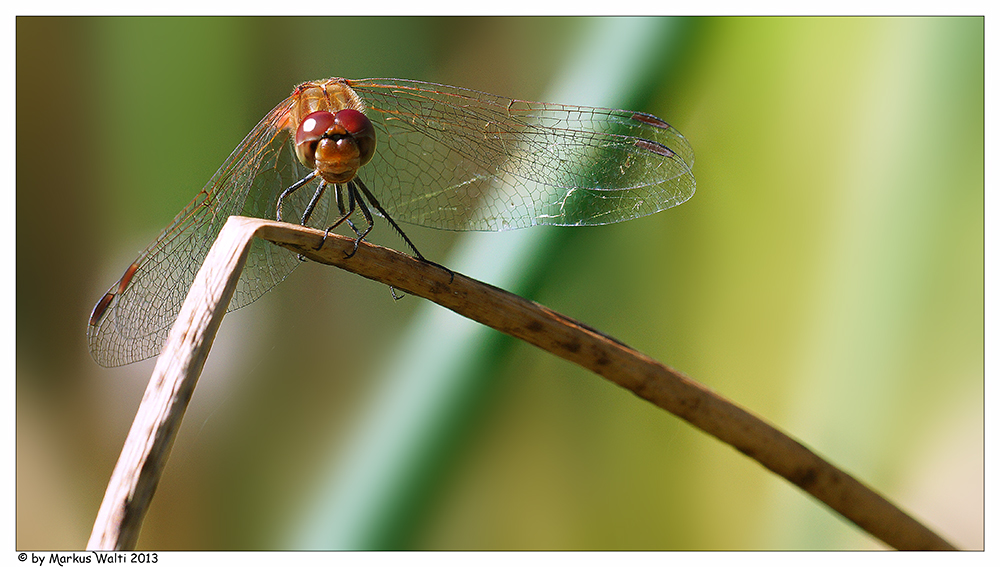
(355, 197)
(294, 187)
(358, 200)
(344, 214)
(352, 202)
(378, 207)
(385, 215)
(312, 203)
(340, 205)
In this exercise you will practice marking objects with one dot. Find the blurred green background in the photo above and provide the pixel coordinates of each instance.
(827, 275)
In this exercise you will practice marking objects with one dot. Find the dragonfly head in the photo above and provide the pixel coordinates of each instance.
(335, 145)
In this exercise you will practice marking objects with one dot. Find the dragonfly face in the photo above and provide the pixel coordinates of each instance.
(335, 145)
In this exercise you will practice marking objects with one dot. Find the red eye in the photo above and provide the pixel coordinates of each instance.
(352, 120)
(314, 126)
(358, 125)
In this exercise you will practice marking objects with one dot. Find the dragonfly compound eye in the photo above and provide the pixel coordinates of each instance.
(361, 129)
(309, 133)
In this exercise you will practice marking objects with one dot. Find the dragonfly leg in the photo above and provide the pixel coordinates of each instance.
(340, 206)
(295, 187)
(354, 197)
(352, 190)
(312, 203)
(345, 215)
(378, 207)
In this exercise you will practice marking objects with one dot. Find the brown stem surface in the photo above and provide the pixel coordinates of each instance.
(155, 427)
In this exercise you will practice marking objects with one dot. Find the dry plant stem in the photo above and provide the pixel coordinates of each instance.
(550, 331)
(158, 419)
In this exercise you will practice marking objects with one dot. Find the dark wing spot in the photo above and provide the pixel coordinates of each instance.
(649, 119)
(655, 147)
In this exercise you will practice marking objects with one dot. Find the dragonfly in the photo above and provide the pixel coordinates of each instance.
(418, 153)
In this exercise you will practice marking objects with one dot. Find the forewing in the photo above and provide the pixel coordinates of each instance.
(135, 323)
(459, 159)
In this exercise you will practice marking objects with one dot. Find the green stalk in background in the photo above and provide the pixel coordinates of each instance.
(441, 371)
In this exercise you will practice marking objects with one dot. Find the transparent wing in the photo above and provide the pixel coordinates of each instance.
(140, 309)
(446, 157)
(460, 159)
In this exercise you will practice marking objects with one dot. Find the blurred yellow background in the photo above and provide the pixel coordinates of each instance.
(827, 275)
